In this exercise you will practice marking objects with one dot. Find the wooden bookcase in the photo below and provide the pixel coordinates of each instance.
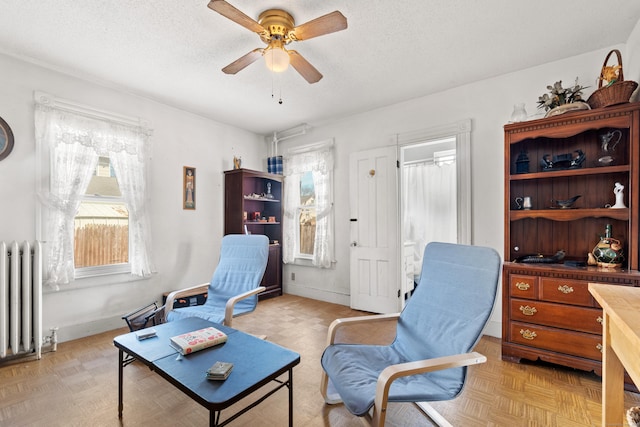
(249, 208)
(548, 312)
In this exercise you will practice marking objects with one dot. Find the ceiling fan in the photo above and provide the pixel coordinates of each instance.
(277, 29)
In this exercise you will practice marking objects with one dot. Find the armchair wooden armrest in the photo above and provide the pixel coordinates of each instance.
(168, 304)
(331, 337)
(393, 372)
(348, 321)
(200, 289)
(228, 309)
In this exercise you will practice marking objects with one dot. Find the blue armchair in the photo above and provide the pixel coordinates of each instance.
(435, 335)
(234, 287)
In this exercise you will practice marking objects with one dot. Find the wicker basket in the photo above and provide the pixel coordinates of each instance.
(616, 93)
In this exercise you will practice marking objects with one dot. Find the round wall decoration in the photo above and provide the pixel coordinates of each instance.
(6, 139)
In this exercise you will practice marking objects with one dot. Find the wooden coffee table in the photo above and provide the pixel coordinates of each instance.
(256, 363)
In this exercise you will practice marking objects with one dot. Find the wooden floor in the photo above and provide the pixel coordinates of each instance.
(77, 385)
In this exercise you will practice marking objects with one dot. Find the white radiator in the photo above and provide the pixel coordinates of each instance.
(20, 299)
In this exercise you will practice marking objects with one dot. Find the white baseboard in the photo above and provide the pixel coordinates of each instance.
(72, 332)
(317, 294)
(493, 329)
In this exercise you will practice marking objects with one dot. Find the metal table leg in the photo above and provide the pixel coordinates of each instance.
(120, 368)
(291, 397)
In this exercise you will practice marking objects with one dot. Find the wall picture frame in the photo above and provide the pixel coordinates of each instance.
(188, 188)
(6, 139)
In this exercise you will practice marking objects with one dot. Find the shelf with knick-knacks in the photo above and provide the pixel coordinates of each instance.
(253, 204)
(579, 173)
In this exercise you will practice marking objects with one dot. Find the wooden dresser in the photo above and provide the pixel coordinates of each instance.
(548, 312)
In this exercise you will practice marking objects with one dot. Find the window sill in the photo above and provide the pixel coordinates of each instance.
(305, 262)
(93, 281)
(106, 270)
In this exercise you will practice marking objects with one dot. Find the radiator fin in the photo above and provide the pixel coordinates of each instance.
(20, 299)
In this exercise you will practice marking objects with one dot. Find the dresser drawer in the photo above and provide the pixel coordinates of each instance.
(558, 315)
(562, 341)
(566, 291)
(521, 286)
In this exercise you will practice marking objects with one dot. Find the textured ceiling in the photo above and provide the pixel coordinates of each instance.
(173, 50)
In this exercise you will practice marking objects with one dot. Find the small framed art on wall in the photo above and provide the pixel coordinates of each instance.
(189, 188)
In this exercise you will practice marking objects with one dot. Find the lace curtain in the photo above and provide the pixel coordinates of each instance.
(430, 212)
(74, 142)
(320, 162)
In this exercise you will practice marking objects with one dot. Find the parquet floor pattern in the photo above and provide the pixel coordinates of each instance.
(77, 385)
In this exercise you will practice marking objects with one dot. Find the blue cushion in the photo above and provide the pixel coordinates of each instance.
(243, 260)
(215, 316)
(445, 316)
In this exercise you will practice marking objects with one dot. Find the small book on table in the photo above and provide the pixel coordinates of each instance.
(193, 341)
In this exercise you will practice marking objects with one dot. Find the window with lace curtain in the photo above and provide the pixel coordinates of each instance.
(93, 196)
(308, 205)
(101, 224)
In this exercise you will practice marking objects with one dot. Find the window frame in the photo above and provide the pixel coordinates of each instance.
(106, 269)
(304, 259)
(461, 131)
(43, 180)
(299, 209)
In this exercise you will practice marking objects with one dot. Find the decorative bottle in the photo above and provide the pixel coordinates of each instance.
(608, 252)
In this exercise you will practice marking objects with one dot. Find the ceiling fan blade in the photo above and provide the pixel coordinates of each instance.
(326, 24)
(228, 11)
(303, 67)
(243, 61)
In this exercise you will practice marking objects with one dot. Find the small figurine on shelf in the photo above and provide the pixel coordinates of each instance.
(237, 162)
(268, 195)
(618, 191)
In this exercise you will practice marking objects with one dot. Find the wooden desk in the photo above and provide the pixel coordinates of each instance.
(621, 340)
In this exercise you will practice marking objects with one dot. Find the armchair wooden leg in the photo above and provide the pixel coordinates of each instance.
(433, 414)
(331, 397)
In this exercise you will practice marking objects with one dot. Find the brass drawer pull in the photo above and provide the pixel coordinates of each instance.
(527, 334)
(565, 289)
(600, 347)
(523, 286)
(528, 311)
(600, 320)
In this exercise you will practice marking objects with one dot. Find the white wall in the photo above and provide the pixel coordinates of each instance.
(631, 61)
(185, 243)
(489, 105)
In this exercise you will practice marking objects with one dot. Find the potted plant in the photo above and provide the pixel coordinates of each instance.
(559, 100)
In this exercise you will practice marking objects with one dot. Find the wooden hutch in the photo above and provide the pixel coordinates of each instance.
(548, 312)
(253, 204)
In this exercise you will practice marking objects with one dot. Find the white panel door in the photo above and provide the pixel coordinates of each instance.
(373, 179)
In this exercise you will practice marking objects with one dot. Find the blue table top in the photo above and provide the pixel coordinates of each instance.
(256, 362)
(151, 349)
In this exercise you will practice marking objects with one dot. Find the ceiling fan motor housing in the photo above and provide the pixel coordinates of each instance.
(277, 23)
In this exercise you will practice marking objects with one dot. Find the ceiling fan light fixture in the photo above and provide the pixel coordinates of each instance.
(276, 59)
